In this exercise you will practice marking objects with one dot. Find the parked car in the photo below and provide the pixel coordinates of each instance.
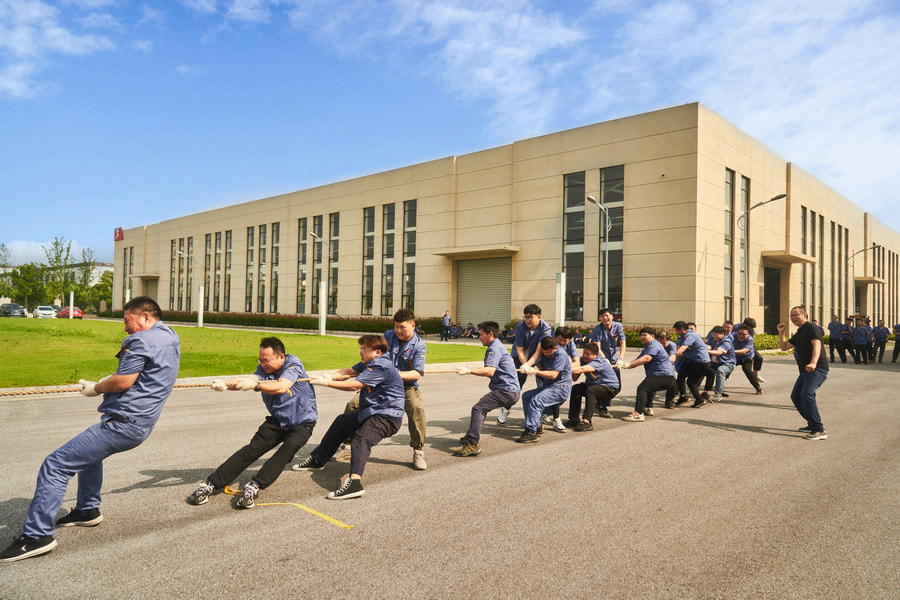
(64, 313)
(44, 312)
(12, 310)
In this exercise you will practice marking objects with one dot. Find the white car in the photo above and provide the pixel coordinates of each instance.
(44, 312)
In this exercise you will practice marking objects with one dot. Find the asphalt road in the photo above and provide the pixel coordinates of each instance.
(726, 501)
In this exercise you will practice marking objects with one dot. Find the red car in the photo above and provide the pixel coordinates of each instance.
(64, 313)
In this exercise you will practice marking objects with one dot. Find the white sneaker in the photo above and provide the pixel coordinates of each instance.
(418, 460)
(648, 412)
(558, 424)
(760, 379)
(501, 418)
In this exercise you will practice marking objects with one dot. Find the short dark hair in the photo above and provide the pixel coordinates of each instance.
(750, 322)
(689, 323)
(403, 315)
(532, 309)
(143, 304)
(679, 325)
(743, 328)
(592, 347)
(603, 311)
(373, 341)
(491, 327)
(548, 343)
(727, 322)
(718, 329)
(662, 334)
(563, 332)
(272, 342)
(649, 330)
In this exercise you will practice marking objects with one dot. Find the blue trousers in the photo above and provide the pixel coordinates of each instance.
(83, 456)
(536, 400)
(804, 397)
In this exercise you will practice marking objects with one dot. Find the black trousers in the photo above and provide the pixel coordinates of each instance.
(861, 353)
(365, 436)
(878, 351)
(693, 373)
(839, 345)
(268, 436)
(594, 396)
(648, 388)
(747, 368)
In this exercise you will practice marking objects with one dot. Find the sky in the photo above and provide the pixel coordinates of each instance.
(116, 113)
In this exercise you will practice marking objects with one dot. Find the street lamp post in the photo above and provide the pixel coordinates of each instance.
(746, 229)
(851, 263)
(607, 222)
(200, 303)
(323, 307)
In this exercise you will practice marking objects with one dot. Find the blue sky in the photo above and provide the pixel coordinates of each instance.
(116, 113)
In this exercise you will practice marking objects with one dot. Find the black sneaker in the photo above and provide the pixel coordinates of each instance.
(816, 435)
(527, 438)
(681, 400)
(81, 518)
(584, 427)
(204, 490)
(26, 547)
(249, 495)
(604, 413)
(806, 428)
(309, 464)
(699, 403)
(352, 488)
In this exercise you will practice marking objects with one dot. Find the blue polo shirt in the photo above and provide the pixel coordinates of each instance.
(602, 374)
(739, 345)
(406, 356)
(383, 392)
(861, 335)
(725, 344)
(659, 364)
(609, 339)
(696, 351)
(881, 334)
(505, 377)
(558, 361)
(834, 330)
(570, 349)
(155, 354)
(530, 340)
(298, 404)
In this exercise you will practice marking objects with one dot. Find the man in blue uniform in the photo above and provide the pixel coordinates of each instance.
(503, 386)
(836, 339)
(744, 350)
(695, 363)
(610, 336)
(445, 326)
(553, 371)
(526, 347)
(862, 337)
(659, 375)
(292, 417)
(407, 351)
(881, 335)
(599, 387)
(723, 361)
(381, 401)
(133, 399)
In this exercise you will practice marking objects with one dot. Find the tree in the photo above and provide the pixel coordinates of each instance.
(28, 284)
(5, 270)
(103, 289)
(59, 267)
(85, 275)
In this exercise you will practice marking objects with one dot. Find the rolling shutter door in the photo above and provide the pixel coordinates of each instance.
(483, 290)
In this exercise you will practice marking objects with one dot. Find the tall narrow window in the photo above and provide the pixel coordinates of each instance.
(812, 268)
(387, 261)
(207, 270)
(834, 308)
(368, 260)
(226, 291)
(573, 244)
(728, 253)
(821, 255)
(180, 297)
(334, 242)
(129, 273)
(803, 251)
(173, 274)
(189, 282)
(262, 270)
(248, 291)
(840, 272)
(408, 290)
(273, 284)
(612, 194)
(317, 263)
(301, 265)
(848, 282)
(745, 268)
(218, 272)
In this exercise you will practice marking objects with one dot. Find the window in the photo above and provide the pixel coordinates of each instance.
(745, 268)
(368, 261)
(334, 242)
(189, 283)
(262, 270)
(301, 265)
(387, 261)
(408, 291)
(248, 292)
(812, 268)
(821, 255)
(317, 263)
(834, 307)
(273, 285)
(207, 270)
(840, 272)
(226, 295)
(803, 251)
(180, 297)
(573, 244)
(612, 195)
(728, 253)
(218, 272)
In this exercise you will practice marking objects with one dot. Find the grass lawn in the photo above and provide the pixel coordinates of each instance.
(39, 352)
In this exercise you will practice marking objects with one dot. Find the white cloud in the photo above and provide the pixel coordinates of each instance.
(26, 251)
(190, 70)
(253, 11)
(201, 6)
(143, 46)
(100, 21)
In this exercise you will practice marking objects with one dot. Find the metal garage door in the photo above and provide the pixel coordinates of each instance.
(483, 290)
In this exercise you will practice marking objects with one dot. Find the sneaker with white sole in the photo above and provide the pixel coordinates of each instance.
(633, 418)
(648, 412)
(418, 460)
(352, 488)
(760, 379)
(308, 464)
(558, 425)
(816, 435)
(202, 493)
(249, 495)
(504, 413)
(547, 419)
(26, 547)
(81, 518)
(717, 398)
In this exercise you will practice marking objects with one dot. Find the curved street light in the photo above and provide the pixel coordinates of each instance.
(608, 222)
(746, 230)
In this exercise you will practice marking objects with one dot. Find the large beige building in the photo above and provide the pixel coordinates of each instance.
(646, 215)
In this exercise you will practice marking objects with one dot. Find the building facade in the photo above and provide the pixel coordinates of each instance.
(668, 215)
